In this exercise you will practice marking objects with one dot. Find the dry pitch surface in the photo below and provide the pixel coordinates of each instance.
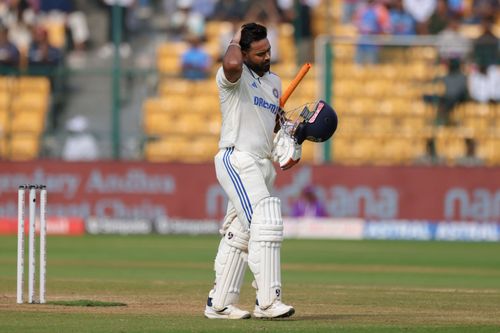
(336, 286)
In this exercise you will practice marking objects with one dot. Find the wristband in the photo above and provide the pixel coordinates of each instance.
(235, 44)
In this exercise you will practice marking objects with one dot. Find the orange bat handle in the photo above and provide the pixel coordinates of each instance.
(295, 82)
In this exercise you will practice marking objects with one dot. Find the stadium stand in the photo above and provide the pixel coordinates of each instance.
(24, 105)
(383, 117)
(188, 109)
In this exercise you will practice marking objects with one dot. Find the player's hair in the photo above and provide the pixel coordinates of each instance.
(251, 32)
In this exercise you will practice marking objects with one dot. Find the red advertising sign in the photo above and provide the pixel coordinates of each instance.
(155, 190)
(55, 226)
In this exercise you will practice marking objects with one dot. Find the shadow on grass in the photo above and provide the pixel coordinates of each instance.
(330, 317)
(86, 303)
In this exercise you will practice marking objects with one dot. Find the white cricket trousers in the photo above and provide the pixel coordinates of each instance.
(246, 179)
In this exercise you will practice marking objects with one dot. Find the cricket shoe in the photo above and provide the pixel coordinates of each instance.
(276, 310)
(229, 312)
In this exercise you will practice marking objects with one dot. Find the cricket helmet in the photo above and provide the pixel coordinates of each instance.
(319, 124)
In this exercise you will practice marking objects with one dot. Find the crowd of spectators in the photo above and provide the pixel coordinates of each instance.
(48, 33)
(414, 16)
(9, 54)
(190, 16)
(472, 63)
(41, 31)
(67, 24)
(441, 18)
(473, 72)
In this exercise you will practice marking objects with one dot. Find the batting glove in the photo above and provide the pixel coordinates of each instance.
(286, 151)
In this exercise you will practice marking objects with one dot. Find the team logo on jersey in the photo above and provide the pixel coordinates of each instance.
(275, 92)
(254, 84)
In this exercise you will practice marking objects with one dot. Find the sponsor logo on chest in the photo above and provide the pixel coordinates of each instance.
(262, 103)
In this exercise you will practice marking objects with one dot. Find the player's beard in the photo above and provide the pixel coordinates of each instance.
(259, 68)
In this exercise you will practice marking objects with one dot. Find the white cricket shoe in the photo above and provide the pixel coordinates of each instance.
(276, 310)
(229, 312)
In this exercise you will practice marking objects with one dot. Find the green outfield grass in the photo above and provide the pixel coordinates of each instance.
(335, 286)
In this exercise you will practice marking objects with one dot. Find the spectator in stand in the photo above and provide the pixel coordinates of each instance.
(144, 9)
(371, 18)
(230, 10)
(80, 144)
(456, 7)
(125, 50)
(64, 13)
(300, 13)
(439, 19)
(204, 7)
(421, 10)
(430, 156)
(486, 46)
(168, 7)
(479, 85)
(483, 83)
(9, 54)
(494, 74)
(267, 12)
(308, 204)
(186, 22)
(451, 43)
(41, 53)
(195, 61)
(402, 23)
(484, 79)
(348, 10)
(470, 159)
(481, 9)
(19, 17)
(455, 92)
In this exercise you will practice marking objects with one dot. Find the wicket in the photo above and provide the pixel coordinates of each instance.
(31, 242)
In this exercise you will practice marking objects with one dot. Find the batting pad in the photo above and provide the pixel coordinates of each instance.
(266, 235)
(230, 266)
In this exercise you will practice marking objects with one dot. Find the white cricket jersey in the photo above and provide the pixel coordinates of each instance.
(249, 107)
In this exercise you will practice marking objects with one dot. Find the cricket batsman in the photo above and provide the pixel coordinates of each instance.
(252, 231)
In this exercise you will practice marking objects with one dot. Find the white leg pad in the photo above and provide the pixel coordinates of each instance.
(266, 236)
(230, 266)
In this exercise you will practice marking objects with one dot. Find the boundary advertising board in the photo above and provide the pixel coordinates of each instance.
(190, 191)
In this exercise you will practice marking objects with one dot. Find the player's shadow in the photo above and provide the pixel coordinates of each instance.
(329, 316)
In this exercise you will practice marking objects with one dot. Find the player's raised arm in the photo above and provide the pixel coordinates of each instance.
(232, 63)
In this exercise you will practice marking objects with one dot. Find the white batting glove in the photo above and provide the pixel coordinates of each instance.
(286, 151)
